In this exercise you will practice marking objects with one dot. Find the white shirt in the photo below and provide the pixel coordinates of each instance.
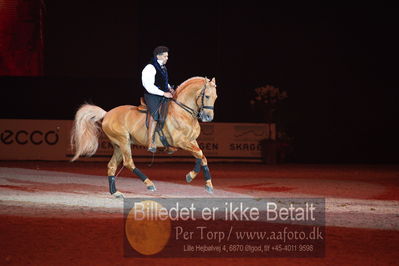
(148, 79)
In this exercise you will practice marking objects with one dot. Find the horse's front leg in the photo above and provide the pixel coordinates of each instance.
(200, 163)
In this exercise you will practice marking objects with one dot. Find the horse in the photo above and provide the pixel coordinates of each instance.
(125, 125)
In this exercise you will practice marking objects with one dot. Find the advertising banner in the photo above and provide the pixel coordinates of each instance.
(25, 139)
(22, 139)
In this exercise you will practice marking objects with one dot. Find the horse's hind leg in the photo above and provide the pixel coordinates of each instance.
(129, 164)
(112, 167)
(200, 163)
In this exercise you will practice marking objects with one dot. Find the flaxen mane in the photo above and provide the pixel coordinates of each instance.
(188, 82)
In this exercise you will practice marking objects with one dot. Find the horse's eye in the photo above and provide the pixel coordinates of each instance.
(206, 96)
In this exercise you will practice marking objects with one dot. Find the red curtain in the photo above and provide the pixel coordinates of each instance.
(21, 37)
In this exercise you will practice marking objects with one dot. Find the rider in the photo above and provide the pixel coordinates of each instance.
(154, 78)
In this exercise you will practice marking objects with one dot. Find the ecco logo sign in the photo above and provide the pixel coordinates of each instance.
(24, 137)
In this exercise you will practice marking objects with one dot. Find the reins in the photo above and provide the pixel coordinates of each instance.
(190, 110)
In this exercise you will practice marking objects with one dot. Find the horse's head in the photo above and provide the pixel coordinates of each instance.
(206, 99)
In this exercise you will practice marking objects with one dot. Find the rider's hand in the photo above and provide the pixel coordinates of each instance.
(167, 95)
(172, 91)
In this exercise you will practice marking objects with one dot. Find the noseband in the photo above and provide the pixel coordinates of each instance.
(195, 114)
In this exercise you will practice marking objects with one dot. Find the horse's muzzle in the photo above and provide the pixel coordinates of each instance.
(206, 117)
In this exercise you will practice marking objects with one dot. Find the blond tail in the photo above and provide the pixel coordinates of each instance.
(85, 130)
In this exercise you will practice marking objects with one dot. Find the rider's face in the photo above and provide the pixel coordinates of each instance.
(164, 57)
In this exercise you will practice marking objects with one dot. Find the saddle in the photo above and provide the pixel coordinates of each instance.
(163, 112)
(143, 106)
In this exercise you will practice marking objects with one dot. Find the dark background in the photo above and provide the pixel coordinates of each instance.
(338, 66)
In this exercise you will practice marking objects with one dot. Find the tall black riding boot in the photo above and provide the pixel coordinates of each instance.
(150, 136)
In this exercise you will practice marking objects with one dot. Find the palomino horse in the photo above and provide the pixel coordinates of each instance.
(125, 125)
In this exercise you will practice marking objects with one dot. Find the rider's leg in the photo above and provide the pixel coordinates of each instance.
(150, 135)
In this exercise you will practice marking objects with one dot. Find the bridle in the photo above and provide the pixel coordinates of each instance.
(194, 113)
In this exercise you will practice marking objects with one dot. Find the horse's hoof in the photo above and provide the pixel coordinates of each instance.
(209, 189)
(151, 188)
(189, 178)
(118, 195)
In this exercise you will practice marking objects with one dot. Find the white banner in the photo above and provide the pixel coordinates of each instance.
(23, 139)
(49, 140)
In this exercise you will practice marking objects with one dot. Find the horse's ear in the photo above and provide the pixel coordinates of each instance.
(213, 80)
